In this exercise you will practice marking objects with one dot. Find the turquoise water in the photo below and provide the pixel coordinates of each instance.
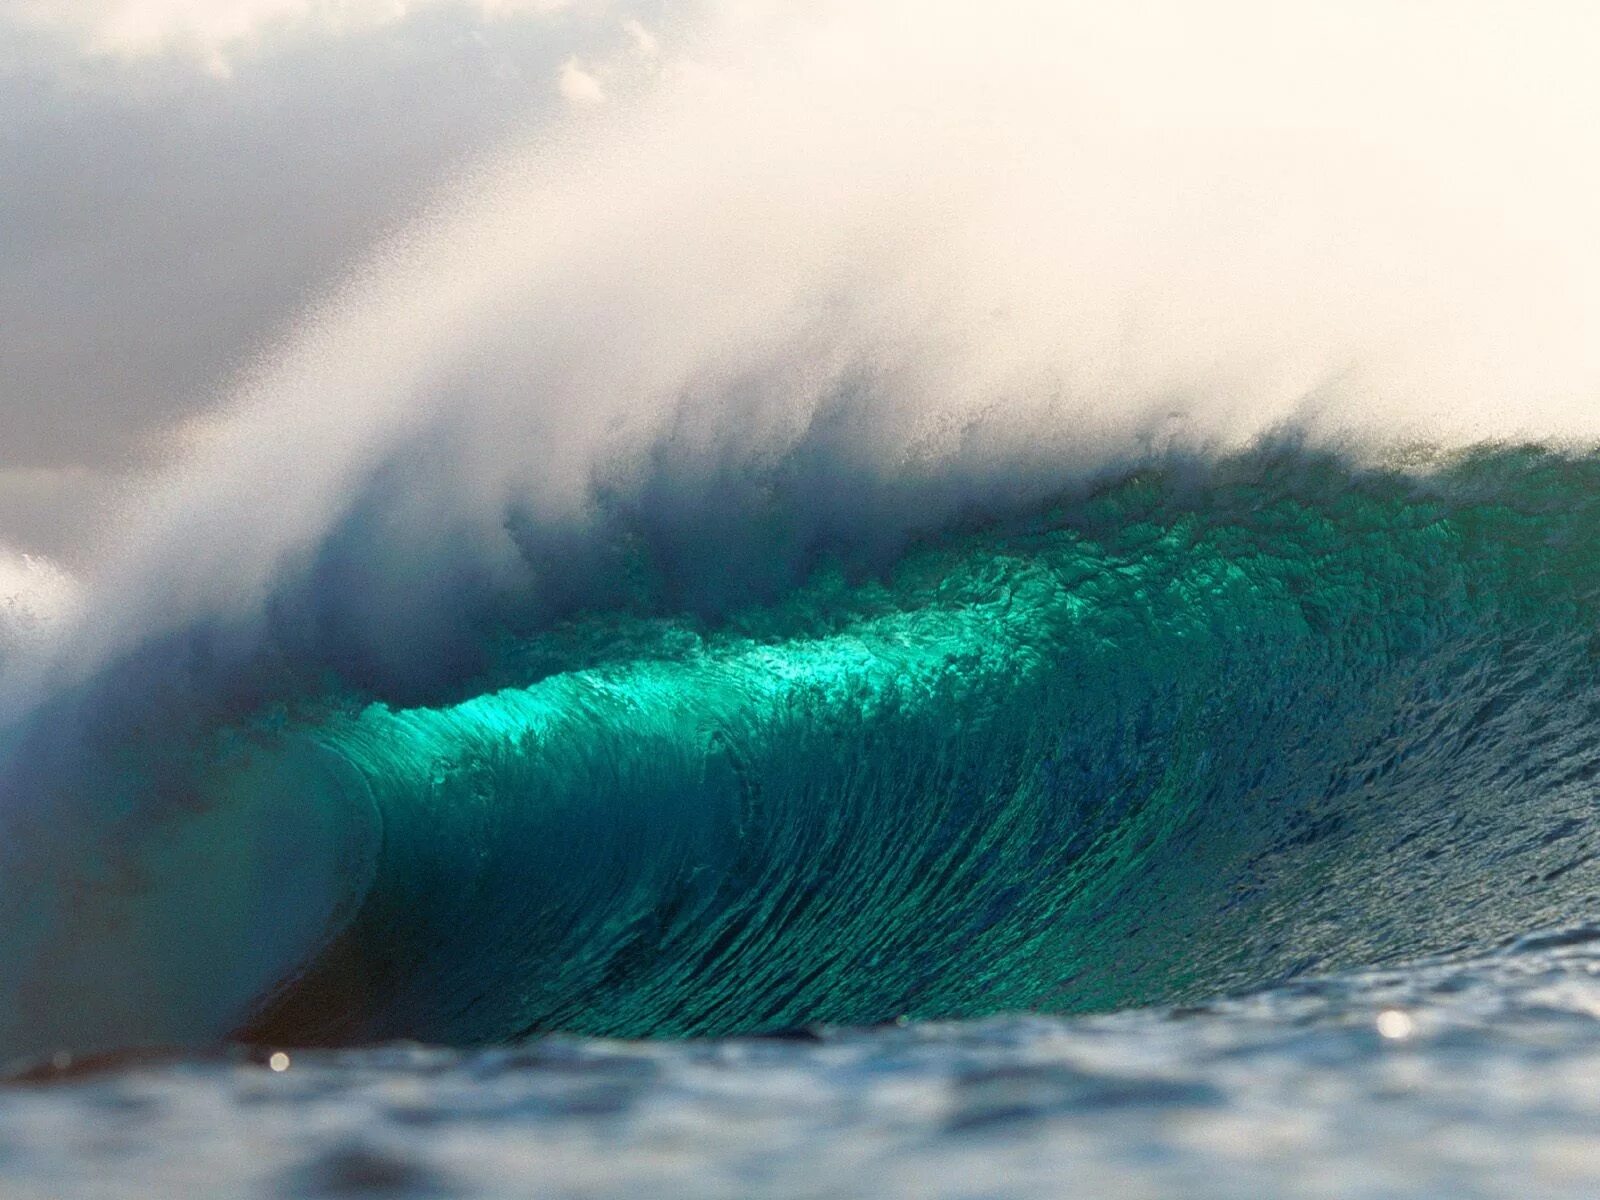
(1199, 731)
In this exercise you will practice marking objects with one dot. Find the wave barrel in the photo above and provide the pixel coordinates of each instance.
(1117, 759)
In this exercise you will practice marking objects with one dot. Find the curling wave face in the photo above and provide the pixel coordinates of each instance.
(1185, 736)
(1198, 730)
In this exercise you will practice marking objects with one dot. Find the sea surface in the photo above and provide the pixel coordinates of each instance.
(1473, 1077)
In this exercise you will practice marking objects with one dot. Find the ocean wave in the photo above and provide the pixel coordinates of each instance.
(769, 553)
(1188, 732)
(1182, 736)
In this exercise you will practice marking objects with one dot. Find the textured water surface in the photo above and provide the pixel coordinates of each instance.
(1452, 1079)
(1189, 734)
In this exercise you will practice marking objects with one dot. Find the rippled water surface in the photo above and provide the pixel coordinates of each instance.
(1474, 1077)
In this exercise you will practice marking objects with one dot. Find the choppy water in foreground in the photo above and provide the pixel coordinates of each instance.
(1486, 1085)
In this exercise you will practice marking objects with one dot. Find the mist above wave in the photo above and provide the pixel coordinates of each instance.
(824, 281)
(36, 596)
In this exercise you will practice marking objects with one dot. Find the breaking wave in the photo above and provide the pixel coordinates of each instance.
(874, 522)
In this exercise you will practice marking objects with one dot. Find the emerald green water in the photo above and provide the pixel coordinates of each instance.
(1183, 735)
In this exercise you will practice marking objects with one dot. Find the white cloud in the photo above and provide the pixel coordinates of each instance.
(213, 31)
(644, 42)
(578, 85)
(619, 69)
(157, 231)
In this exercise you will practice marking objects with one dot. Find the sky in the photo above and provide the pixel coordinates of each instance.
(178, 178)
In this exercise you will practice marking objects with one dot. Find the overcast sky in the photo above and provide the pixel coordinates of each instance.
(178, 177)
